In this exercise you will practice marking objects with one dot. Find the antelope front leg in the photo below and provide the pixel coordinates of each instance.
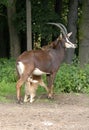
(50, 94)
(50, 80)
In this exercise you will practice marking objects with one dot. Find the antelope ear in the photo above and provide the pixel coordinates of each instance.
(69, 34)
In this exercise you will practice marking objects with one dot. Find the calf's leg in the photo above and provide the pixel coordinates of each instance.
(30, 91)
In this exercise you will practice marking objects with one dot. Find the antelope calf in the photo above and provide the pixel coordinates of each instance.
(31, 86)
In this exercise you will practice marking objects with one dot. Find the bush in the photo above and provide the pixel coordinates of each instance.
(7, 78)
(72, 78)
(7, 70)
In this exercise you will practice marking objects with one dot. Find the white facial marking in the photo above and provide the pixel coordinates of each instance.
(20, 67)
(69, 44)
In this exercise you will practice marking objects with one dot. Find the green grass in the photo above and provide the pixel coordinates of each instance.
(7, 79)
(8, 91)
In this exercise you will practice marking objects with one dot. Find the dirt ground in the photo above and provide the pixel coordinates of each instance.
(64, 112)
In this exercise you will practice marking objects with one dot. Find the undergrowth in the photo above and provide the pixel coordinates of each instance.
(69, 78)
(72, 78)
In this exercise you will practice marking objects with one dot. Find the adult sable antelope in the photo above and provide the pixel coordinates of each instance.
(38, 62)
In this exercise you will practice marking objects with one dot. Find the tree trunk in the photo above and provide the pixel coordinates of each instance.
(84, 34)
(14, 39)
(72, 27)
(29, 32)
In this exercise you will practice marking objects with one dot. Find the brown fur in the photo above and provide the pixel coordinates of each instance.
(31, 86)
(46, 60)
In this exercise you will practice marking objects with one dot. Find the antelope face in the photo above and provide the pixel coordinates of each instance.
(69, 44)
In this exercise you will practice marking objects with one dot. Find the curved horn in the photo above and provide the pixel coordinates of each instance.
(61, 27)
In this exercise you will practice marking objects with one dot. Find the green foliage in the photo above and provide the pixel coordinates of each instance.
(72, 78)
(42, 13)
(4, 2)
(7, 70)
(7, 79)
(19, 20)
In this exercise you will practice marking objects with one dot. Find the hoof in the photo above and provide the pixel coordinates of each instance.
(20, 102)
(50, 96)
(32, 100)
(26, 100)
